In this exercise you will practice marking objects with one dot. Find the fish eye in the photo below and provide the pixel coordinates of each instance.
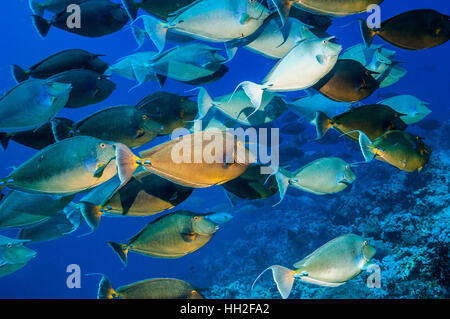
(144, 117)
(325, 41)
(365, 243)
(196, 219)
(9, 245)
(102, 145)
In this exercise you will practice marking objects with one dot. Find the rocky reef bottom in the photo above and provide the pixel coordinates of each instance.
(406, 216)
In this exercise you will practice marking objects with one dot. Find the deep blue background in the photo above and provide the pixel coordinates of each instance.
(45, 276)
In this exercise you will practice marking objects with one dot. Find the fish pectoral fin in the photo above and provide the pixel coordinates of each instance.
(344, 181)
(99, 171)
(189, 237)
(245, 18)
(139, 133)
(321, 59)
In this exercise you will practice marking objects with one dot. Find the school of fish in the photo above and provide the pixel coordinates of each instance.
(94, 157)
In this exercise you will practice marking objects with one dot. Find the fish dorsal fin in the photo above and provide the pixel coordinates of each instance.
(178, 12)
(153, 150)
(161, 55)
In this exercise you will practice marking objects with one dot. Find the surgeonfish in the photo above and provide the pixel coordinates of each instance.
(73, 165)
(60, 62)
(307, 63)
(379, 61)
(13, 255)
(122, 124)
(88, 87)
(339, 8)
(252, 184)
(307, 107)
(173, 235)
(38, 7)
(170, 110)
(401, 149)
(158, 288)
(373, 120)
(238, 107)
(208, 20)
(272, 41)
(192, 63)
(328, 175)
(349, 81)
(201, 159)
(331, 265)
(100, 18)
(19, 209)
(415, 110)
(412, 30)
(61, 224)
(31, 104)
(40, 137)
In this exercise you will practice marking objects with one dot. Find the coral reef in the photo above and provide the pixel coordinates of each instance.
(406, 216)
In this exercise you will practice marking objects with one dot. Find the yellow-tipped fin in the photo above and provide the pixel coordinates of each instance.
(121, 250)
(367, 148)
(323, 124)
(91, 214)
(105, 289)
(283, 7)
(367, 33)
(126, 163)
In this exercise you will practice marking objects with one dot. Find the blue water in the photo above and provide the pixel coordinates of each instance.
(45, 276)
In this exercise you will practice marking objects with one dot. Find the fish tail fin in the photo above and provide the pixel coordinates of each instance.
(73, 214)
(60, 130)
(283, 8)
(131, 7)
(19, 74)
(4, 140)
(126, 163)
(323, 124)
(231, 49)
(41, 25)
(121, 250)
(231, 198)
(283, 277)
(139, 35)
(156, 30)
(254, 92)
(367, 147)
(205, 102)
(283, 182)
(367, 33)
(105, 289)
(36, 7)
(91, 214)
(109, 71)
